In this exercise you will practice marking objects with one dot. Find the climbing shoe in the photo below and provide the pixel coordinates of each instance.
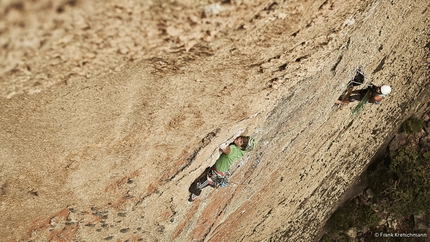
(192, 198)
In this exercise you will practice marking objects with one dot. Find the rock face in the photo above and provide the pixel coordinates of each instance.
(110, 109)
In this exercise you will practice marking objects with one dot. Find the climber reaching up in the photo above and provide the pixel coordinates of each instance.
(375, 94)
(218, 174)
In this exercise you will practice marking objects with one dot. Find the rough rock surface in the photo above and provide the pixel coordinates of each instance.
(110, 109)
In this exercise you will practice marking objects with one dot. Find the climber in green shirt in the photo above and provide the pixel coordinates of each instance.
(231, 153)
(218, 174)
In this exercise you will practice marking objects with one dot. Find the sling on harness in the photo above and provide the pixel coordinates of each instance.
(362, 102)
(217, 178)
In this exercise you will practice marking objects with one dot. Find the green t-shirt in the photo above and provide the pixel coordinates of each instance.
(225, 161)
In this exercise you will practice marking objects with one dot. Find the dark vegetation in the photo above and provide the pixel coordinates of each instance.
(397, 197)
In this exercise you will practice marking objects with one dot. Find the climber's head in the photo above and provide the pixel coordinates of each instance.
(385, 90)
(246, 143)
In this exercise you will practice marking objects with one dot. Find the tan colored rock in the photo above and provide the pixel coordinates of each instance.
(122, 104)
